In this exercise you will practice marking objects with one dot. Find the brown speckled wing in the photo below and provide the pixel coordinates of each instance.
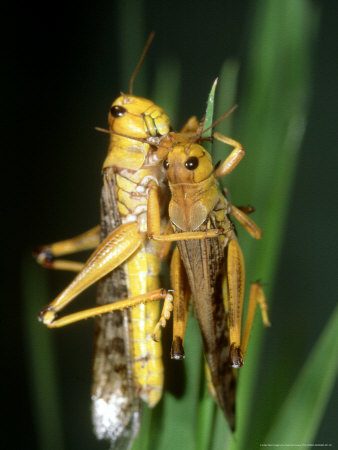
(204, 262)
(116, 407)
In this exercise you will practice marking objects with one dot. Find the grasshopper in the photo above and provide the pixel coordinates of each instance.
(210, 257)
(127, 365)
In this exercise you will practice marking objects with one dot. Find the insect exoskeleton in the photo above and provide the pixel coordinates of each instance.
(127, 361)
(136, 165)
(210, 258)
(189, 170)
(127, 364)
(131, 165)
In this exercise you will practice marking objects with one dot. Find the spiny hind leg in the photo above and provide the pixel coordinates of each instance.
(46, 254)
(112, 252)
(50, 319)
(235, 279)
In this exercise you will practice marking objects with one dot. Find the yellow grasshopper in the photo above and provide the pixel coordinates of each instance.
(210, 257)
(127, 362)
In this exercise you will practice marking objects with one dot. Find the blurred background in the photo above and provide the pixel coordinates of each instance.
(64, 67)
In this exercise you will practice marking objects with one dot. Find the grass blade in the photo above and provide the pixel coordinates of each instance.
(40, 359)
(270, 124)
(209, 116)
(227, 94)
(168, 74)
(180, 403)
(301, 413)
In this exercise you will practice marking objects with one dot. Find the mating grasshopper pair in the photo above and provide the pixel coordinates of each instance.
(134, 188)
(143, 156)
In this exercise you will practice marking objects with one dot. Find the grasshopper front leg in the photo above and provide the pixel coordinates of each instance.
(233, 159)
(179, 282)
(154, 227)
(178, 302)
(182, 294)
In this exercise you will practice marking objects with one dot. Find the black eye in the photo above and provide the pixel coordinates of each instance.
(166, 164)
(117, 111)
(191, 163)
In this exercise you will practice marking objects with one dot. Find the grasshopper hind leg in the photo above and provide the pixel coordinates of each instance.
(233, 289)
(182, 295)
(48, 255)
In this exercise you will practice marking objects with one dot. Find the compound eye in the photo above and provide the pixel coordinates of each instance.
(191, 163)
(117, 111)
(166, 164)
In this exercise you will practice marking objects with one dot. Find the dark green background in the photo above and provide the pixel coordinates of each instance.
(62, 70)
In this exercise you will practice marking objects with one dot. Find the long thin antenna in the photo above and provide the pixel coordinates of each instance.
(103, 130)
(145, 50)
(231, 110)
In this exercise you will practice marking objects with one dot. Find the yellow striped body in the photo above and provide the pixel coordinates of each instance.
(127, 363)
(136, 165)
(142, 276)
(142, 270)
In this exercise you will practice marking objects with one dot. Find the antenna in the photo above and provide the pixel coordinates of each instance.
(145, 50)
(231, 110)
(103, 130)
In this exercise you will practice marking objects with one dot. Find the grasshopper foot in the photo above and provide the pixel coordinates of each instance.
(177, 350)
(44, 256)
(47, 315)
(236, 357)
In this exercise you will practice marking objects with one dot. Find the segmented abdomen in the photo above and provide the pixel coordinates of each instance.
(142, 270)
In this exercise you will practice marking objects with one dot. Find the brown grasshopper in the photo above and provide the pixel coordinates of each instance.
(210, 258)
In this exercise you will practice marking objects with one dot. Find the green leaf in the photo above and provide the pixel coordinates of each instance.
(301, 413)
(209, 113)
(43, 373)
(270, 125)
(226, 99)
(273, 96)
(168, 73)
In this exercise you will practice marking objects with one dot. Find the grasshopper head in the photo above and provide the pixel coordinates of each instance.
(135, 124)
(188, 163)
(138, 117)
(193, 187)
